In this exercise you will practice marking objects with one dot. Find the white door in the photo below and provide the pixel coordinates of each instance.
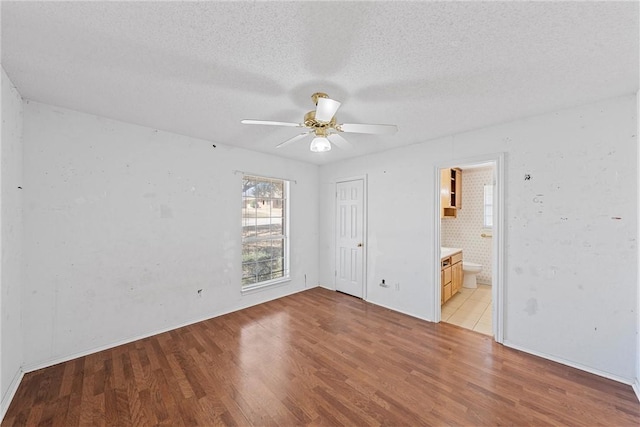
(349, 237)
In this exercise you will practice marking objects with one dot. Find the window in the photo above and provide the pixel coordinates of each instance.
(265, 244)
(488, 206)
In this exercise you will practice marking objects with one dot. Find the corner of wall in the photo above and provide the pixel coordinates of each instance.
(11, 392)
(636, 385)
(11, 345)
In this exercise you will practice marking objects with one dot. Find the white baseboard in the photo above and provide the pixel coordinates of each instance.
(635, 384)
(571, 364)
(11, 392)
(65, 358)
(400, 311)
(385, 306)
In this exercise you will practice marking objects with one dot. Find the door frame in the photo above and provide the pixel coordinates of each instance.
(365, 214)
(498, 290)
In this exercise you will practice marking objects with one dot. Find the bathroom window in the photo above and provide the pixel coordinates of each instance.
(265, 237)
(488, 206)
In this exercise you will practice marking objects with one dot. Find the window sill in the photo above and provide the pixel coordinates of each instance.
(251, 289)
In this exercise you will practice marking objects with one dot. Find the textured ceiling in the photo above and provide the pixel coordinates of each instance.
(432, 68)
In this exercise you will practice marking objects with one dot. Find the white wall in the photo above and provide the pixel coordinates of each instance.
(571, 249)
(124, 224)
(10, 242)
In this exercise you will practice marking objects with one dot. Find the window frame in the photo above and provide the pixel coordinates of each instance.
(485, 206)
(284, 236)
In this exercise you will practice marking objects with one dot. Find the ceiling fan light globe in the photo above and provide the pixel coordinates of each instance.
(320, 144)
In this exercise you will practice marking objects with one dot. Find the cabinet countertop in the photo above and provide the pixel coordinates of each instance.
(447, 252)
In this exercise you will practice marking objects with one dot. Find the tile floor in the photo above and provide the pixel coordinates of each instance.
(470, 309)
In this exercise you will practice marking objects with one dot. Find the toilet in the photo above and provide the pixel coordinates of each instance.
(469, 272)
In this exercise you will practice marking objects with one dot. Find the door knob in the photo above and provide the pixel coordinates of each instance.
(359, 245)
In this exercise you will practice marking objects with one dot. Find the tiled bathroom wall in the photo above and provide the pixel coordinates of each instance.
(466, 229)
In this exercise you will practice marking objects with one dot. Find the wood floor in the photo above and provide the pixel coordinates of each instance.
(319, 358)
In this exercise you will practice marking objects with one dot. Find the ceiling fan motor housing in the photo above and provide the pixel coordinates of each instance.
(311, 122)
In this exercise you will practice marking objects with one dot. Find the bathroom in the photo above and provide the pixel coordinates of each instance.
(466, 234)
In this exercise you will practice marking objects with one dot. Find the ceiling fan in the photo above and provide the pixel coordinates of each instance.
(323, 126)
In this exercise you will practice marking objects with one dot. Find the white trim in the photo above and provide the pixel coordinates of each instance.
(498, 258)
(437, 239)
(54, 361)
(352, 178)
(11, 392)
(417, 316)
(365, 233)
(636, 384)
(570, 363)
(257, 175)
(268, 284)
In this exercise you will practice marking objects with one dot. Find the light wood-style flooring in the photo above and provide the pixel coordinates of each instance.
(318, 358)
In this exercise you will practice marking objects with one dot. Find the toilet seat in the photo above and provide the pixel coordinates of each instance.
(471, 267)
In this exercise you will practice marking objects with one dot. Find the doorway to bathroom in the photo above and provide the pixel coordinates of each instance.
(468, 231)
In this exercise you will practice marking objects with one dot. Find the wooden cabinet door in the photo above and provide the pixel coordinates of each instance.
(447, 274)
(456, 277)
(445, 187)
(447, 291)
(446, 284)
(450, 192)
(456, 258)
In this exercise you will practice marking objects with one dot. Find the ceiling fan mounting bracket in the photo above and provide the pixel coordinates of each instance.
(317, 95)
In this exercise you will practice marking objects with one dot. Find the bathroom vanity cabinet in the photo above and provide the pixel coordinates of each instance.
(451, 275)
(450, 192)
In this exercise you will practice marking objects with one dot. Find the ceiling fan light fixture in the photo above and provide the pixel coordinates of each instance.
(320, 144)
(323, 125)
(326, 109)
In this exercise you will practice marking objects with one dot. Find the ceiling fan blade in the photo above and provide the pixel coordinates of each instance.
(326, 109)
(292, 140)
(339, 141)
(271, 123)
(362, 128)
